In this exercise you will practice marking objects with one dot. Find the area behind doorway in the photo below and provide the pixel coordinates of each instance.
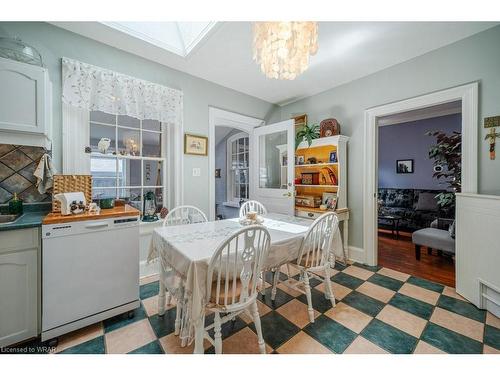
(407, 191)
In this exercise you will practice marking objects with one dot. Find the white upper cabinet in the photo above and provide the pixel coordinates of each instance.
(25, 104)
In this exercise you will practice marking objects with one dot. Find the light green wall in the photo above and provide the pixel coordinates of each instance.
(54, 43)
(473, 59)
(476, 58)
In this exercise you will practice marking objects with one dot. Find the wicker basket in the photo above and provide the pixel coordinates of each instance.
(69, 183)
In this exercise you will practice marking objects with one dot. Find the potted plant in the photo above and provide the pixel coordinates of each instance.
(447, 164)
(307, 133)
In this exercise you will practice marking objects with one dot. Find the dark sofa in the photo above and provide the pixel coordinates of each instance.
(416, 212)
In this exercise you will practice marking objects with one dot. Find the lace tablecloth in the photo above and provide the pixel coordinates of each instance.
(185, 251)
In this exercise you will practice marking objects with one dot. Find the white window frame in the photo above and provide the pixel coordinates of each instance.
(163, 159)
(230, 178)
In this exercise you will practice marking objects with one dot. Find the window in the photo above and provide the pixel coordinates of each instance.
(237, 167)
(127, 158)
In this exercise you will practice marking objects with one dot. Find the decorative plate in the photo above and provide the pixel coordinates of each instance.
(329, 127)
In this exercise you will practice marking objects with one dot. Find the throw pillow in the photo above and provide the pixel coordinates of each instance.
(399, 198)
(427, 202)
(451, 229)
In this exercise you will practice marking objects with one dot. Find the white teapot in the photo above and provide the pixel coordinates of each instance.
(103, 145)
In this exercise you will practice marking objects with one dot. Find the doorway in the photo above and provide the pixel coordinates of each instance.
(414, 191)
(468, 96)
(232, 168)
(227, 124)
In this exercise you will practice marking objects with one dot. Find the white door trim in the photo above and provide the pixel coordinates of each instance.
(468, 94)
(220, 117)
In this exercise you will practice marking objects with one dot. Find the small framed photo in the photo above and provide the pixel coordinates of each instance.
(333, 157)
(404, 166)
(284, 160)
(300, 160)
(195, 145)
(329, 200)
(300, 120)
(217, 173)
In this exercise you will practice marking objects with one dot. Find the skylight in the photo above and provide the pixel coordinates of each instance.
(176, 37)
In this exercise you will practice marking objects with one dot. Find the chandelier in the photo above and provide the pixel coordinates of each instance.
(282, 49)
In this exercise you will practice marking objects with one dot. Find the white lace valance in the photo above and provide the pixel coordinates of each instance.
(95, 89)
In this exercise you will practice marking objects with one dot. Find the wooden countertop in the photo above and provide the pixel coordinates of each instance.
(57, 218)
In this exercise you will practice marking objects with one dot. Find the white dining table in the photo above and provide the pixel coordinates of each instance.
(185, 251)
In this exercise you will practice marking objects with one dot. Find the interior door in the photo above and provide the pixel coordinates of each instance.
(273, 155)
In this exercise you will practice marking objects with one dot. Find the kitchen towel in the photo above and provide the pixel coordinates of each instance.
(44, 174)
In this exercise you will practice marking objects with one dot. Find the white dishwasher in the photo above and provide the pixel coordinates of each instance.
(90, 272)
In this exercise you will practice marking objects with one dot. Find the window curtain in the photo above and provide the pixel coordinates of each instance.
(76, 136)
(88, 88)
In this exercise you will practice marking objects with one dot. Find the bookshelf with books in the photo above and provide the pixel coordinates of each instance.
(321, 176)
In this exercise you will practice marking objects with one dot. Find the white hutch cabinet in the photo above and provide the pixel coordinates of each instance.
(25, 104)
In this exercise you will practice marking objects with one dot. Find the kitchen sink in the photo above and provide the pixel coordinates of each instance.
(8, 218)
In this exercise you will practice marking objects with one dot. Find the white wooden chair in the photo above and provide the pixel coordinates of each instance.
(258, 207)
(185, 215)
(315, 255)
(179, 216)
(252, 206)
(232, 280)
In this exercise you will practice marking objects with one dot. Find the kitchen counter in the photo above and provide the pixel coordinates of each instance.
(32, 217)
(57, 218)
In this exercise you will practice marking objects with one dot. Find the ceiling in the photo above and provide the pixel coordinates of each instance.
(176, 37)
(347, 51)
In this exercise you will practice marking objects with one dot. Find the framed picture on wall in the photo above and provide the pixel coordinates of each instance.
(404, 166)
(195, 145)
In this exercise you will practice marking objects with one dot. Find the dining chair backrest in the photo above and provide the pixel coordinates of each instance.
(185, 215)
(316, 247)
(252, 206)
(235, 267)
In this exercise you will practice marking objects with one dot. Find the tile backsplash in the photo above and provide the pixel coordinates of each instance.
(17, 164)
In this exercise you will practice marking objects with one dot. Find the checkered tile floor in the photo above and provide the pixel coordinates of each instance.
(378, 311)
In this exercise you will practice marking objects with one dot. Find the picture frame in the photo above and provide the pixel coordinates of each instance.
(195, 145)
(404, 166)
(333, 157)
(300, 160)
(329, 200)
(299, 122)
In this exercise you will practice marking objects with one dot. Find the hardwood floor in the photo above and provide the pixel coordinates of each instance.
(400, 255)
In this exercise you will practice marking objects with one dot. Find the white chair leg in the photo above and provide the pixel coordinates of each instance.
(328, 286)
(184, 342)
(177, 325)
(288, 270)
(218, 334)
(161, 295)
(307, 288)
(258, 328)
(262, 283)
(276, 276)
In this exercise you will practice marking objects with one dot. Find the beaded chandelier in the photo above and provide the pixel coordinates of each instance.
(282, 49)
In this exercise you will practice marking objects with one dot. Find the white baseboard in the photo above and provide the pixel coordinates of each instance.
(146, 269)
(357, 254)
